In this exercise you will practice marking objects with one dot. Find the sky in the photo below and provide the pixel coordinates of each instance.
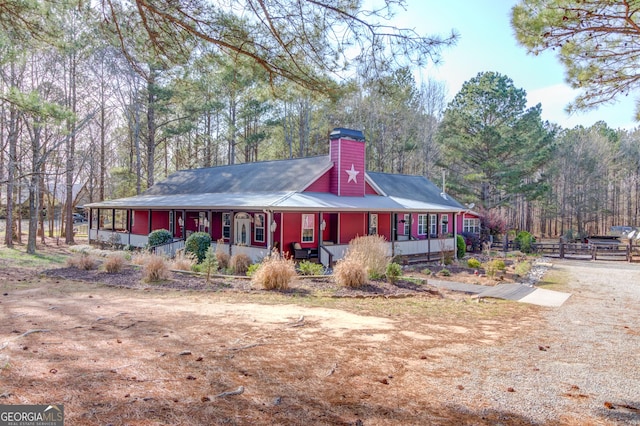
(487, 43)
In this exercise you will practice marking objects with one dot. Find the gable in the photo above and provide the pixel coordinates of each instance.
(322, 184)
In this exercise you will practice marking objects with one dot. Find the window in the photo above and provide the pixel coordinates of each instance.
(258, 228)
(373, 224)
(307, 228)
(203, 222)
(407, 224)
(422, 224)
(444, 224)
(471, 225)
(226, 225)
(433, 224)
(120, 217)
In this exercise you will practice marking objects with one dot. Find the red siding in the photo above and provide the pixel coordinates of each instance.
(352, 225)
(347, 154)
(292, 231)
(141, 222)
(323, 184)
(368, 189)
(216, 226)
(384, 225)
(159, 220)
(191, 222)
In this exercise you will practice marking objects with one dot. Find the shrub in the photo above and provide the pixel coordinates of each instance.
(522, 268)
(198, 243)
(493, 266)
(155, 269)
(426, 271)
(461, 246)
(445, 272)
(210, 263)
(183, 261)
(350, 272)
(371, 252)
(239, 263)
(524, 241)
(310, 268)
(275, 273)
(252, 269)
(114, 263)
(394, 271)
(474, 263)
(82, 261)
(472, 240)
(159, 237)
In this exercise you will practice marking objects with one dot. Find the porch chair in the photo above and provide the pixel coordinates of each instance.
(298, 252)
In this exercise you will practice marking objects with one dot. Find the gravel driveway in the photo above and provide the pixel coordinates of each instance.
(583, 364)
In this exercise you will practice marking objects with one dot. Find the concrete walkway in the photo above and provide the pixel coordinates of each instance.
(517, 292)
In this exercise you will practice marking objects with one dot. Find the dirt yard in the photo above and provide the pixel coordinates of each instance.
(153, 355)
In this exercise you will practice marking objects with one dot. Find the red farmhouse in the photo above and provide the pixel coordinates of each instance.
(310, 207)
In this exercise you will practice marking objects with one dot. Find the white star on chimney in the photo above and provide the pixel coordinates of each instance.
(352, 174)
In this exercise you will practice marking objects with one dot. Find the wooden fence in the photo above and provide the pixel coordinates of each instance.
(612, 251)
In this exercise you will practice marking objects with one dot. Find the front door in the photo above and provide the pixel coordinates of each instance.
(242, 227)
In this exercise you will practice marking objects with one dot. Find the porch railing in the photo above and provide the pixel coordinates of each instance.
(168, 249)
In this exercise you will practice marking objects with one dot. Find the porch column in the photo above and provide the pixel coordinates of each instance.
(455, 234)
(320, 231)
(129, 221)
(183, 228)
(209, 218)
(394, 232)
(232, 231)
(149, 222)
(428, 236)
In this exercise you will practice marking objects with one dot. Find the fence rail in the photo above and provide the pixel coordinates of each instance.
(613, 251)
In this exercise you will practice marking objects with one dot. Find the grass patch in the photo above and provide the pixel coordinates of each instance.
(38, 260)
(554, 279)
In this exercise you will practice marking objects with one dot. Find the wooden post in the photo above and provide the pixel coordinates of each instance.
(561, 248)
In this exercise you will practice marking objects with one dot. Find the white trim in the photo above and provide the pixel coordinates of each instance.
(368, 180)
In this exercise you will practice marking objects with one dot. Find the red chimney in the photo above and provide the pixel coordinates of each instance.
(347, 152)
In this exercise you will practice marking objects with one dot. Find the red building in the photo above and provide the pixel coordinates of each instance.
(317, 203)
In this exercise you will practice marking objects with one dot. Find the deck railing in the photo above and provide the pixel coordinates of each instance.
(168, 249)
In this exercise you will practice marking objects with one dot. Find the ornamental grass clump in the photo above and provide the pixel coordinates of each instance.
(350, 272)
(82, 261)
(372, 252)
(275, 273)
(239, 263)
(223, 259)
(155, 269)
(183, 261)
(114, 263)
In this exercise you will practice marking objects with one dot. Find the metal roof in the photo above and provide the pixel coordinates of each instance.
(278, 185)
(265, 176)
(281, 201)
(411, 187)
